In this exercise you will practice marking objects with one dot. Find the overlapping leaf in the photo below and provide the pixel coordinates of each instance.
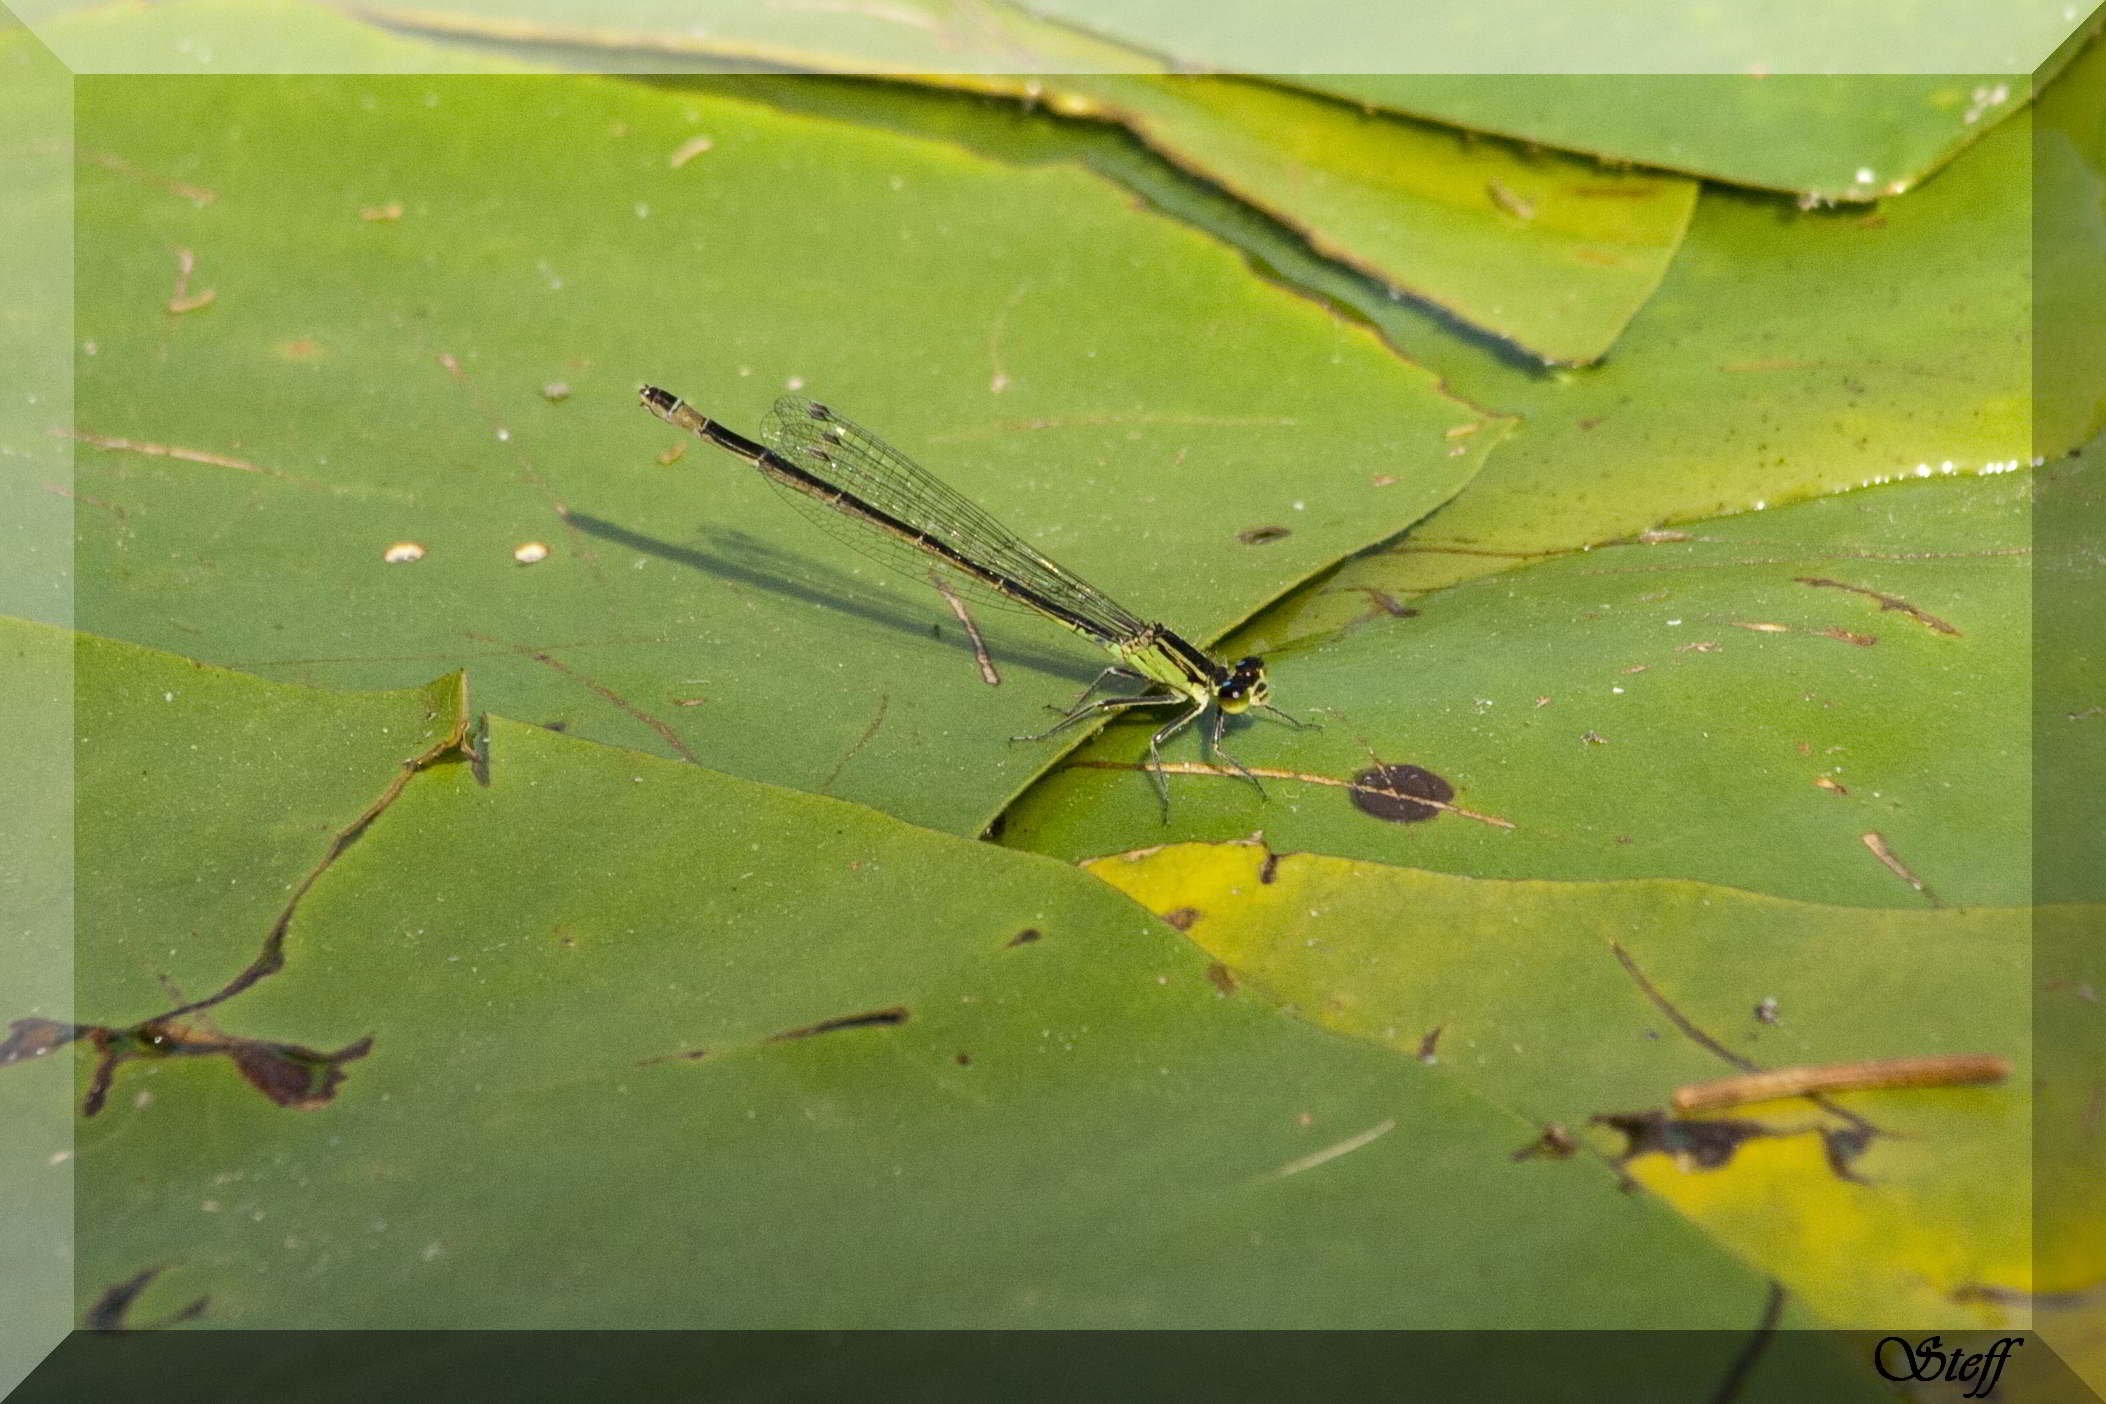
(1751, 97)
(1571, 1002)
(1788, 356)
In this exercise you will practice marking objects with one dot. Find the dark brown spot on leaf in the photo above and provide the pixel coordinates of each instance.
(293, 1076)
(876, 1018)
(1398, 793)
(1224, 978)
(1026, 936)
(109, 1310)
(33, 1038)
(692, 1055)
(1263, 536)
(1183, 917)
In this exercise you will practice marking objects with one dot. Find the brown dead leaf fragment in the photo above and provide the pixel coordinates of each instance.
(33, 1038)
(1878, 845)
(290, 1074)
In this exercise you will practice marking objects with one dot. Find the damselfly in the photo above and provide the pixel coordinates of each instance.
(824, 459)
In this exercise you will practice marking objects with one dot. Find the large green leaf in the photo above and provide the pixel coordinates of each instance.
(720, 1054)
(1566, 1002)
(1788, 355)
(1821, 701)
(1112, 385)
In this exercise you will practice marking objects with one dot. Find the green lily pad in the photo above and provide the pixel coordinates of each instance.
(1025, 333)
(719, 1054)
(1824, 136)
(1571, 1002)
(1787, 356)
(1771, 111)
(1814, 702)
(1551, 253)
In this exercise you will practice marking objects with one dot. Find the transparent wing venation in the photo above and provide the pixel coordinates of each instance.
(843, 454)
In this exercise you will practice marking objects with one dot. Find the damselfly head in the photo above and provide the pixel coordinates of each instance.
(1245, 687)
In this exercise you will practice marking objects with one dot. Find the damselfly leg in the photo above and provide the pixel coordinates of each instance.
(1083, 711)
